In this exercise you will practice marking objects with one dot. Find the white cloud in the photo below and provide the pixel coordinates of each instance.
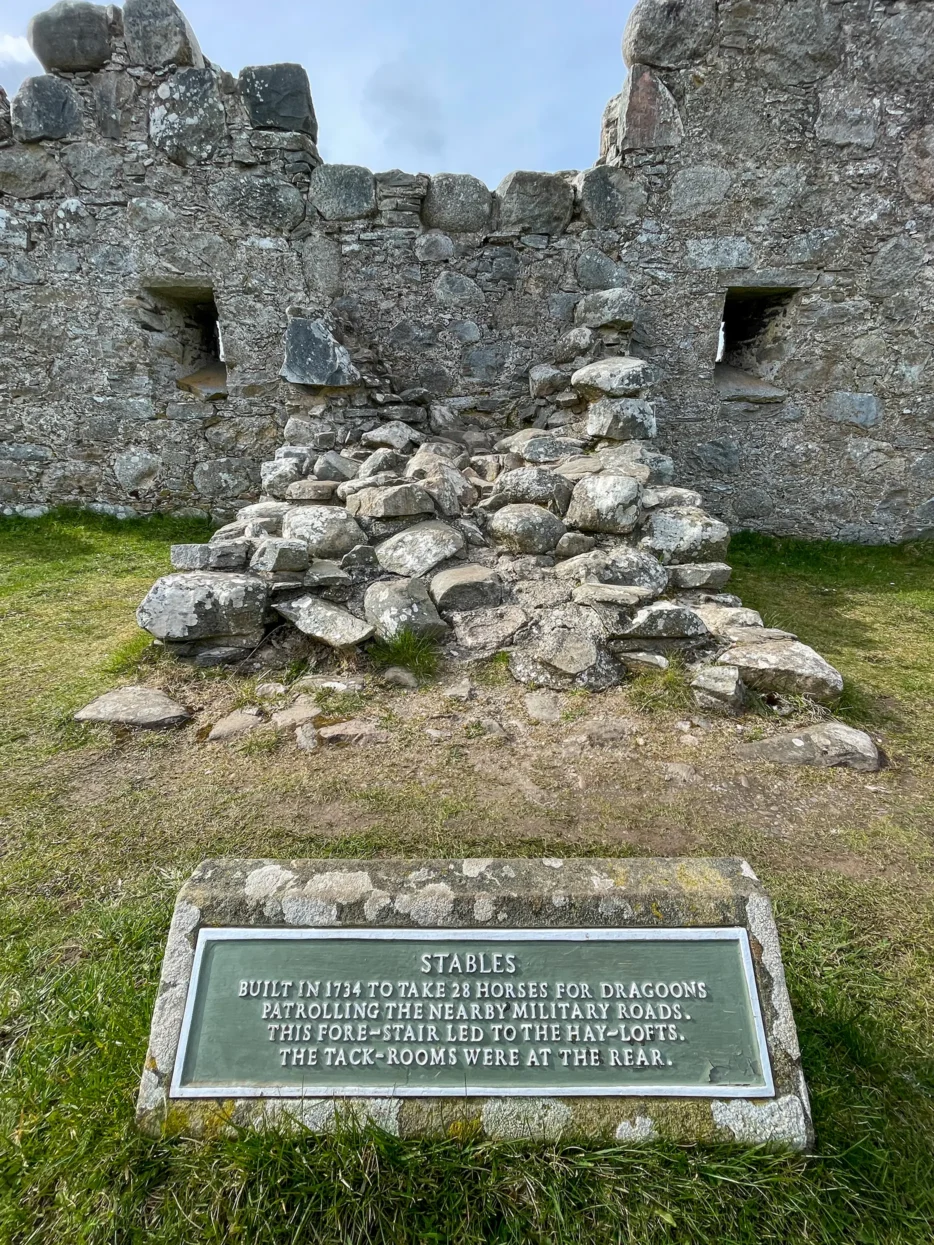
(15, 50)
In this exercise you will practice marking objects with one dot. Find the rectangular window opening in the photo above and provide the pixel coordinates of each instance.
(754, 328)
(188, 344)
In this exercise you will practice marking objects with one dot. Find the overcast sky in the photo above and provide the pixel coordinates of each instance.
(477, 86)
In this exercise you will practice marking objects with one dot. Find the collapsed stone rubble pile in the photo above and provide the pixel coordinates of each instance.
(568, 546)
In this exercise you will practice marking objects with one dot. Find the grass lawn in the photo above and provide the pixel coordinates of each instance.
(98, 828)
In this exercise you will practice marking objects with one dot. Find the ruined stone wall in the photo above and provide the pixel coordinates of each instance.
(770, 146)
(786, 149)
(145, 182)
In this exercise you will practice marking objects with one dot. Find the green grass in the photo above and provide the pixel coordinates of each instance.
(869, 610)
(96, 834)
(416, 653)
(657, 690)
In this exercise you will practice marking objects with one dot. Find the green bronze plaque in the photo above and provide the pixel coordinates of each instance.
(472, 1013)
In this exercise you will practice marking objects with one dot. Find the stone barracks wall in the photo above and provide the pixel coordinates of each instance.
(769, 164)
(785, 151)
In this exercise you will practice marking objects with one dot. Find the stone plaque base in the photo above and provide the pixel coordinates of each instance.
(622, 1000)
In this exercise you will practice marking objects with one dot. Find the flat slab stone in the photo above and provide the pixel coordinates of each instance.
(786, 667)
(323, 621)
(146, 708)
(235, 725)
(831, 745)
(419, 549)
(639, 999)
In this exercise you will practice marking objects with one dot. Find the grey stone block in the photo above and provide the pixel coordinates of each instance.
(397, 605)
(202, 606)
(30, 173)
(158, 34)
(458, 203)
(343, 192)
(730, 252)
(624, 376)
(621, 419)
(145, 708)
(434, 247)
(864, 410)
(524, 528)
(314, 357)
(278, 97)
(71, 36)
(325, 622)
(191, 557)
(92, 167)
(605, 503)
(530, 203)
(45, 107)
(648, 115)
(260, 201)
(699, 189)
(610, 198)
(669, 33)
(596, 271)
(328, 531)
(615, 308)
(465, 588)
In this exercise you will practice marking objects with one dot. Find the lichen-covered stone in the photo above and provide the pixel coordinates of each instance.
(274, 554)
(325, 622)
(186, 116)
(261, 202)
(465, 588)
(622, 377)
(419, 549)
(329, 532)
(669, 34)
(343, 192)
(621, 419)
(29, 173)
(526, 528)
(719, 689)
(664, 621)
(614, 308)
(396, 605)
(785, 667)
(204, 605)
(390, 502)
(829, 745)
(145, 708)
(534, 203)
(686, 534)
(158, 34)
(605, 503)
(626, 567)
(457, 203)
(610, 198)
(533, 486)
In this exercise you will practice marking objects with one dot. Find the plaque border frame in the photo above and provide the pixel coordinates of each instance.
(208, 935)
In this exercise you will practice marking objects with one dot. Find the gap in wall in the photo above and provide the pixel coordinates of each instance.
(191, 340)
(755, 328)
